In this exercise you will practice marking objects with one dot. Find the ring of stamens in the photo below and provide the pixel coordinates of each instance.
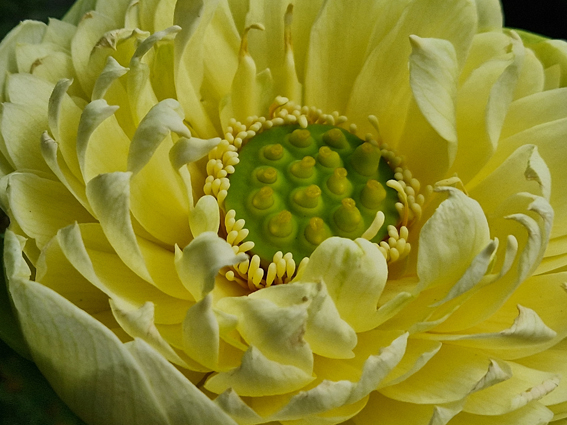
(252, 274)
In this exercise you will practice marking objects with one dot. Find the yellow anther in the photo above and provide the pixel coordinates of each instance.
(373, 193)
(338, 182)
(281, 225)
(273, 152)
(303, 169)
(329, 158)
(365, 159)
(347, 217)
(316, 231)
(264, 198)
(335, 138)
(307, 197)
(267, 175)
(301, 138)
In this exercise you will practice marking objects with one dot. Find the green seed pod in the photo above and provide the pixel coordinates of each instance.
(365, 159)
(347, 217)
(301, 138)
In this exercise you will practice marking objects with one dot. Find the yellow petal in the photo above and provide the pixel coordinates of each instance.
(450, 239)
(329, 77)
(109, 196)
(524, 386)
(489, 15)
(182, 401)
(523, 171)
(449, 376)
(201, 333)
(139, 323)
(276, 331)
(433, 79)
(355, 273)
(482, 103)
(42, 206)
(381, 87)
(200, 261)
(27, 31)
(90, 30)
(323, 324)
(83, 359)
(259, 376)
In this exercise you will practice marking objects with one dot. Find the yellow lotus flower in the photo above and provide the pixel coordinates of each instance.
(295, 212)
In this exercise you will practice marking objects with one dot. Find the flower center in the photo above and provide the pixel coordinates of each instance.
(288, 182)
(295, 187)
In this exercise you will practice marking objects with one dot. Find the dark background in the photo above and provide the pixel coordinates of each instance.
(25, 397)
(546, 17)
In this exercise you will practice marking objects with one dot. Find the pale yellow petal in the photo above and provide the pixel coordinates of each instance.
(530, 237)
(534, 110)
(489, 15)
(200, 261)
(276, 331)
(525, 385)
(482, 104)
(114, 10)
(532, 78)
(355, 274)
(393, 412)
(98, 134)
(523, 171)
(139, 323)
(60, 33)
(201, 333)
(259, 376)
(450, 239)
(42, 206)
(533, 413)
(449, 376)
(549, 139)
(381, 87)
(91, 370)
(193, 18)
(88, 250)
(109, 196)
(323, 324)
(433, 79)
(90, 30)
(232, 404)
(329, 76)
(182, 401)
(27, 31)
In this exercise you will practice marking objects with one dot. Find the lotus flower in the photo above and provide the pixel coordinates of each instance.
(295, 212)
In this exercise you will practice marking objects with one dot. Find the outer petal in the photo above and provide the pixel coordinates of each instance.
(182, 401)
(27, 31)
(85, 362)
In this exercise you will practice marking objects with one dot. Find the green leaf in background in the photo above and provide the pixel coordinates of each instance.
(26, 397)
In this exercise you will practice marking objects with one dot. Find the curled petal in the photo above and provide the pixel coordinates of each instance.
(355, 274)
